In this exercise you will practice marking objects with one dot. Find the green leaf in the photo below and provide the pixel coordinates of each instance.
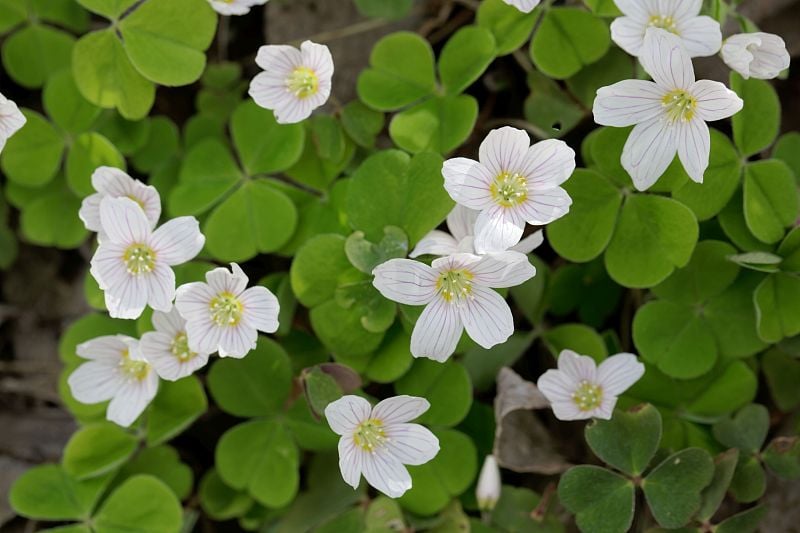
(578, 338)
(465, 57)
(783, 373)
(603, 151)
(586, 232)
(615, 66)
(98, 449)
(401, 72)
(219, 501)
(256, 385)
(756, 126)
(777, 301)
(673, 488)
(52, 220)
(604, 8)
(602, 501)
(483, 365)
(749, 481)
(164, 463)
(12, 14)
(376, 312)
(654, 235)
(393, 357)
(446, 386)
(48, 492)
(439, 124)
(388, 182)
(36, 52)
(586, 289)
(509, 26)
(732, 317)
(264, 146)
(319, 268)
(782, 456)
(770, 199)
(320, 389)
(629, 440)
(110, 9)
(744, 522)
(568, 39)
(256, 218)
(165, 41)
(714, 494)
(747, 430)
(88, 152)
(327, 152)
(32, 156)
(261, 457)
(65, 105)
(789, 250)
(550, 108)
(708, 274)
(106, 77)
(732, 388)
(366, 255)
(163, 143)
(143, 504)
(787, 149)
(733, 223)
(361, 123)
(175, 407)
(208, 173)
(342, 332)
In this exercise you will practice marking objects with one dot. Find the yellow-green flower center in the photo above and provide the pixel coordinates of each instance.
(680, 105)
(303, 82)
(139, 259)
(588, 396)
(509, 189)
(226, 309)
(133, 369)
(180, 348)
(455, 285)
(369, 435)
(665, 23)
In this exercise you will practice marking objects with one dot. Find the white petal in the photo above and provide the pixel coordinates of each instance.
(177, 241)
(682, 9)
(127, 299)
(503, 269)
(557, 386)
(498, 229)
(640, 10)
(650, 149)
(467, 182)
(405, 281)
(435, 243)
(618, 373)
(279, 58)
(665, 58)
(260, 309)
(386, 474)
(702, 36)
(233, 282)
(529, 243)
(226, 7)
(193, 301)
(89, 212)
(628, 102)
(412, 444)
(351, 458)
(400, 409)
(346, 413)
(160, 287)
(548, 164)
(170, 322)
(105, 348)
(543, 207)
(715, 101)
(569, 411)
(487, 317)
(108, 266)
(237, 341)
(606, 409)
(318, 58)
(577, 367)
(293, 110)
(11, 118)
(526, 6)
(113, 182)
(461, 222)
(203, 335)
(95, 381)
(503, 150)
(123, 221)
(156, 348)
(628, 34)
(437, 331)
(770, 58)
(694, 148)
(132, 399)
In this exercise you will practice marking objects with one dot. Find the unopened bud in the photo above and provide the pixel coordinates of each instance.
(489, 485)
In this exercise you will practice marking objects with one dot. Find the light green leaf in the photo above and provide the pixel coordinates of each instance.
(164, 463)
(87, 152)
(48, 492)
(97, 449)
(446, 386)
(393, 357)
(52, 220)
(208, 173)
(629, 440)
(439, 124)
(175, 407)
(782, 373)
(219, 501)
(777, 301)
(578, 338)
(111, 9)
(65, 104)
(36, 52)
(732, 388)
(615, 66)
(264, 146)
(465, 57)
(32, 156)
(770, 199)
(163, 144)
(550, 108)
(342, 332)
(787, 149)
(568, 39)
(708, 274)
(361, 123)
(319, 268)
(510, 26)
(756, 126)
(143, 504)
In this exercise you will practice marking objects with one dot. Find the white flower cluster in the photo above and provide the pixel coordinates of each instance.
(669, 114)
(133, 266)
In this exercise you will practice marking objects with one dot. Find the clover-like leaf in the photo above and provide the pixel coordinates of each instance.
(602, 501)
(629, 440)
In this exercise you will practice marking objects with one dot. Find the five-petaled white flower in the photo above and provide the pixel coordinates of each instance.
(294, 82)
(511, 184)
(461, 223)
(581, 389)
(133, 263)
(489, 486)
(224, 315)
(670, 113)
(167, 348)
(113, 182)
(377, 442)
(235, 7)
(526, 6)
(11, 120)
(457, 294)
(702, 36)
(756, 55)
(116, 371)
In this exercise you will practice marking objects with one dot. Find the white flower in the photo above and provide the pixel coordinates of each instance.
(756, 55)
(457, 294)
(116, 371)
(670, 113)
(701, 36)
(526, 6)
(114, 183)
(167, 348)
(133, 263)
(235, 7)
(11, 120)
(489, 485)
(377, 442)
(513, 183)
(223, 315)
(294, 82)
(461, 223)
(580, 389)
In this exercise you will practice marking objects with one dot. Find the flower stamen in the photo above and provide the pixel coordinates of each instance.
(455, 285)
(665, 23)
(369, 435)
(226, 309)
(302, 82)
(180, 348)
(133, 369)
(509, 189)
(139, 259)
(588, 396)
(679, 105)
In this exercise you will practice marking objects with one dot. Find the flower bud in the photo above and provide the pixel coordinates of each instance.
(488, 489)
(756, 55)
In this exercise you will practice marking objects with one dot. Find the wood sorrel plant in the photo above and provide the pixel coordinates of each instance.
(257, 251)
